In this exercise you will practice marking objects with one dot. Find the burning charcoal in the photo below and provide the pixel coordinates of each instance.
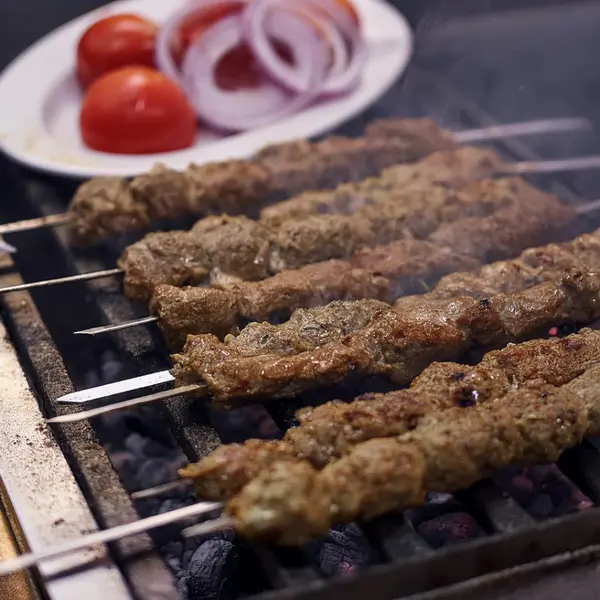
(248, 422)
(345, 549)
(542, 490)
(173, 504)
(173, 553)
(451, 528)
(155, 471)
(212, 571)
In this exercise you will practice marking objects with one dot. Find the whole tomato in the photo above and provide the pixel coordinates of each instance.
(114, 42)
(136, 110)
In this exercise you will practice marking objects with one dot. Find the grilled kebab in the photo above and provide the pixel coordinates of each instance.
(252, 250)
(383, 273)
(531, 422)
(330, 431)
(324, 346)
(452, 168)
(107, 205)
(292, 501)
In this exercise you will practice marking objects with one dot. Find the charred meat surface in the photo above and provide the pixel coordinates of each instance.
(316, 348)
(495, 216)
(384, 273)
(330, 431)
(451, 168)
(448, 451)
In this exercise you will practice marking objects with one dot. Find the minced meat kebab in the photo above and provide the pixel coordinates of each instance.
(324, 346)
(252, 250)
(107, 205)
(384, 273)
(330, 431)
(546, 400)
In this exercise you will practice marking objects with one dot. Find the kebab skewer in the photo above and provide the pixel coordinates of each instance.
(327, 345)
(383, 273)
(108, 205)
(330, 431)
(251, 250)
(334, 431)
(293, 501)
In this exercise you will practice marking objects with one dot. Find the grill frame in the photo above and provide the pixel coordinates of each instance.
(446, 573)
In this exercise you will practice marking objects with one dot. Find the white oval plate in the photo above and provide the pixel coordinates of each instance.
(40, 98)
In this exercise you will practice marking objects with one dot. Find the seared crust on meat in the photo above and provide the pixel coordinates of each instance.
(317, 347)
(485, 220)
(330, 431)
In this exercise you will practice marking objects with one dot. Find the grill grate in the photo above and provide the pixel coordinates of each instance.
(414, 552)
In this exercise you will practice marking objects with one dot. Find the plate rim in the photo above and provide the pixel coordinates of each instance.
(15, 144)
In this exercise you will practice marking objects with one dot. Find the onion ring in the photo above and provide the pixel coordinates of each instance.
(333, 22)
(241, 110)
(164, 56)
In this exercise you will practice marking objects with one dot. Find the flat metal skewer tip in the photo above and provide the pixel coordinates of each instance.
(118, 387)
(104, 410)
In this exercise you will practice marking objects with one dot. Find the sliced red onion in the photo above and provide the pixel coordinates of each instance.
(241, 110)
(164, 56)
(292, 28)
(261, 19)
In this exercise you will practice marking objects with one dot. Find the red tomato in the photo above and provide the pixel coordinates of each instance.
(114, 42)
(136, 110)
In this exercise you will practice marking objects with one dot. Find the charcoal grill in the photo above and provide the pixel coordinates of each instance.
(504, 541)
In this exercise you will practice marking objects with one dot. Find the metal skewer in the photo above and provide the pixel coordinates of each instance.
(37, 223)
(103, 410)
(118, 327)
(567, 164)
(494, 132)
(158, 490)
(108, 408)
(71, 278)
(542, 126)
(4, 247)
(203, 528)
(116, 533)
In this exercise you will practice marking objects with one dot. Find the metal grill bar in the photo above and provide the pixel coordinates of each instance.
(500, 512)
